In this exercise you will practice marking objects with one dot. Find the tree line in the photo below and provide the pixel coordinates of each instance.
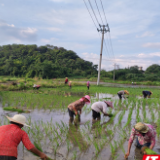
(133, 73)
(44, 61)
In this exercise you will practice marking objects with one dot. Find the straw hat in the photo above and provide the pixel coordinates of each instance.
(109, 103)
(126, 92)
(18, 118)
(141, 127)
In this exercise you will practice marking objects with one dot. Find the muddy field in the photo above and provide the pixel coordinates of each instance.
(83, 141)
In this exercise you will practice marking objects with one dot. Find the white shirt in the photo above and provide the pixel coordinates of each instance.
(99, 107)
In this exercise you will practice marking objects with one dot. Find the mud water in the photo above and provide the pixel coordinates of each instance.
(88, 152)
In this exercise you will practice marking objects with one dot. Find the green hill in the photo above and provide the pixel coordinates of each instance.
(44, 61)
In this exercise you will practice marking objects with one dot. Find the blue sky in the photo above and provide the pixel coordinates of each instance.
(134, 28)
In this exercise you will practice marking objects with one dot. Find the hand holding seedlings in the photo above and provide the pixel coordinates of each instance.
(145, 136)
(122, 93)
(98, 107)
(11, 140)
(77, 106)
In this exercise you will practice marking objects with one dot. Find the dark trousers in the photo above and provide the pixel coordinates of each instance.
(144, 94)
(88, 87)
(120, 96)
(7, 158)
(95, 115)
(138, 145)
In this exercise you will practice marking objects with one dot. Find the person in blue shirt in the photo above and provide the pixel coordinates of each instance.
(146, 94)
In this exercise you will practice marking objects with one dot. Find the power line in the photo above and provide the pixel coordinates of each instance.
(94, 24)
(103, 11)
(99, 11)
(90, 13)
(93, 11)
(109, 33)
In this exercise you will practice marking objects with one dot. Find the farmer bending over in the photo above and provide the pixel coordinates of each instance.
(76, 106)
(36, 86)
(98, 107)
(146, 135)
(146, 94)
(10, 137)
(121, 94)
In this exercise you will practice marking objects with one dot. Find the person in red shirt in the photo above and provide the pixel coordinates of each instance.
(10, 137)
(66, 80)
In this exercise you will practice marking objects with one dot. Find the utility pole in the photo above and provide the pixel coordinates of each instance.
(103, 30)
(115, 65)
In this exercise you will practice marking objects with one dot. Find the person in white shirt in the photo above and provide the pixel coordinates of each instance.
(98, 107)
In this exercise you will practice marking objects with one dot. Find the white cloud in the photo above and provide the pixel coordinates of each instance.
(2, 5)
(10, 33)
(152, 45)
(146, 34)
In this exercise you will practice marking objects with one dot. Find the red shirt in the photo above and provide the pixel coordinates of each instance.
(10, 136)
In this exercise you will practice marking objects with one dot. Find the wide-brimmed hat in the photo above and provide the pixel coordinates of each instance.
(126, 92)
(141, 127)
(86, 97)
(18, 118)
(109, 103)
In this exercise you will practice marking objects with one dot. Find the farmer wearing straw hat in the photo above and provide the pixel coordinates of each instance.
(122, 93)
(146, 94)
(76, 106)
(98, 107)
(146, 135)
(10, 137)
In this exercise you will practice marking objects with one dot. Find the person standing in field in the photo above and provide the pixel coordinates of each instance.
(122, 93)
(88, 84)
(66, 80)
(10, 137)
(146, 134)
(75, 108)
(146, 94)
(98, 107)
(70, 85)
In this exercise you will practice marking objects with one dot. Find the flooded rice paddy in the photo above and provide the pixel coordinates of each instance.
(107, 140)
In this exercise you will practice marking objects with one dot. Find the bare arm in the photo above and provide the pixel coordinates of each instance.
(129, 148)
(39, 153)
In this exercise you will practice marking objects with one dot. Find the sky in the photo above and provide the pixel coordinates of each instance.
(134, 37)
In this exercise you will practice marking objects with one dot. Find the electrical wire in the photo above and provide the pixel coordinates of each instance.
(90, 13)
(99, 12)
(93, 11)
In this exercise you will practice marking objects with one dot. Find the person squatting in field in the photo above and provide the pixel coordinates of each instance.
(122, 93)
(98, 107)
(75, 108)
(146, 94)
(10, 137)
(88, 84)
(146, 134)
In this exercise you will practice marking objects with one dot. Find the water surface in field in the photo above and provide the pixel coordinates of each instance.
(58, 116)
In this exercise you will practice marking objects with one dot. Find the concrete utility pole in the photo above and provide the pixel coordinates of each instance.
(115, 65)
(103, 30)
